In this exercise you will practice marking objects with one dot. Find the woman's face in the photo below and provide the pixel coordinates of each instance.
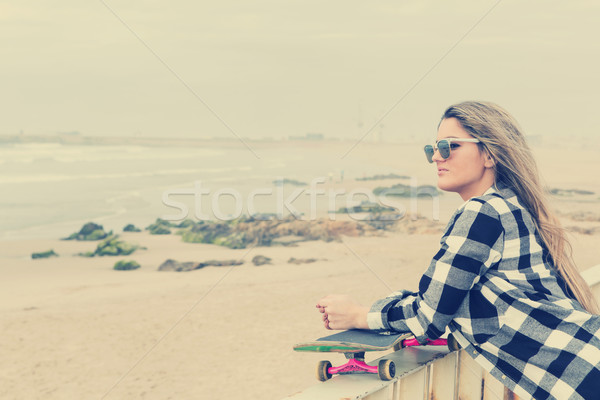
(468, 171)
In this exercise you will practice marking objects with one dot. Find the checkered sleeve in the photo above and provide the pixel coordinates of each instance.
(467, 251)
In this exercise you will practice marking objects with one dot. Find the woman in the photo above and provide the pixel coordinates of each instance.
(503, 281)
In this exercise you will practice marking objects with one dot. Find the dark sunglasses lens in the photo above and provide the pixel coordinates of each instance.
(429, 152)
(444, 148)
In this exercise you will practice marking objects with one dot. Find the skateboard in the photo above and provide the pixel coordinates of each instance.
(354, 343)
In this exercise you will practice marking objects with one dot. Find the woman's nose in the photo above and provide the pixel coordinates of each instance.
(436, 156)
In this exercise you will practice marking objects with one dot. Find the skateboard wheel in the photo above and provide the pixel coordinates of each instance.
(397, 346)
(386, 370)
(452, 343)
(323, 371)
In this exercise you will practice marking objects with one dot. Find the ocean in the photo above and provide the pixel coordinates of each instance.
(50, 189)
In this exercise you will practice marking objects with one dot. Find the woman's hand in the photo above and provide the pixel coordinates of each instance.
(343, 312)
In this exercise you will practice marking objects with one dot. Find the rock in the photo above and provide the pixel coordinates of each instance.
(288, 241)
(131, 228)
(302, 260)
(126, 265)
(89, 231)
(365, 207)
(569, 192)
(286, 181)
(261, 260)
(89, 228)
(44, 254)
(402, 190)
(173, 265)
(222, 263)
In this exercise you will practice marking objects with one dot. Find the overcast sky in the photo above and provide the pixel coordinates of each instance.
(267, 68)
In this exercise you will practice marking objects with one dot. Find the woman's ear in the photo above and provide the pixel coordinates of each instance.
(489, 161)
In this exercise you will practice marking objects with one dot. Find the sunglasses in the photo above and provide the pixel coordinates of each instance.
(444, 146)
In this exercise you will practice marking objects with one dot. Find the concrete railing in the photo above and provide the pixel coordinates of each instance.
(425, 373)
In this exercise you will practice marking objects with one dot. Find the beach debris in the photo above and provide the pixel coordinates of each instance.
(89, 231)
(260, 260)
(44, 254)
(299, 261)
(131, 228)
(112, 246)
(173, 265)
(126, 265)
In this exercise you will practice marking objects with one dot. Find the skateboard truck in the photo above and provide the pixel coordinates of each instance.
(386, 369)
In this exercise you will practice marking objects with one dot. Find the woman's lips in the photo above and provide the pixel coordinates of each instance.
(441, 171)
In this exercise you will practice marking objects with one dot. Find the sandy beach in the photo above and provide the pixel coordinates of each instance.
(72, 327)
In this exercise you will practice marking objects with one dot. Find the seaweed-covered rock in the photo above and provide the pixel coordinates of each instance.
(243, 232)
(160, 227)
(44, 254)
(126, 265)
(365, 207)
(185, 223)
(131, 228)
(112, 246)
(89, 231)
(260, 260)
(233, 241)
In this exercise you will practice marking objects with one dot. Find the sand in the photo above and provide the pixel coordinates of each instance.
(73, 328)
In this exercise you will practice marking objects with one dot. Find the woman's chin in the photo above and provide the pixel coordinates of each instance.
(445, 186)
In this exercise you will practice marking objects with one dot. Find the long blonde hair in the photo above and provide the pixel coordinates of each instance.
(515, 167)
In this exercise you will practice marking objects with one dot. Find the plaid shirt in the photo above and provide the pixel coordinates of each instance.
(491, 284)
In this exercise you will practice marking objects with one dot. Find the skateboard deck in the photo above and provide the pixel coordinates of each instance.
(353, 341)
